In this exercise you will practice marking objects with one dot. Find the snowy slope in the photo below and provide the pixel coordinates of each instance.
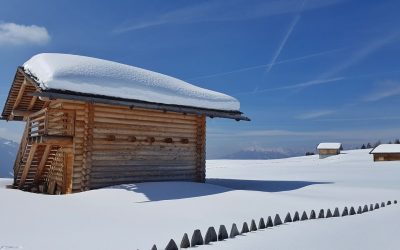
(370, 231)
(96, 76)
(137, 216)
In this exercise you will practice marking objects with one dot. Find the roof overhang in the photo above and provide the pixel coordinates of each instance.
(53, 94)
(69, 95)
(19, 100)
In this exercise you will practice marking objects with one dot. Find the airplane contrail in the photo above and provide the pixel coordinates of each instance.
(278, 52)
(260, 66)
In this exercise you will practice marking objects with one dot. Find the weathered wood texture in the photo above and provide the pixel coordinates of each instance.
(115, 145)
(135, 145)
(329, 151)
(20, 98)
(81, 146)
(387, 157)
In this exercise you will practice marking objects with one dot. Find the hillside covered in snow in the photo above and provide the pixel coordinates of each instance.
(136, 216)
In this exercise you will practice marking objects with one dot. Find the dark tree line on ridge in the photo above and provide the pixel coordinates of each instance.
(376, 144)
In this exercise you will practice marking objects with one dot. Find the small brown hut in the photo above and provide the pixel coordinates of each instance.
(92, 123)
(326, 149)
(386, 152)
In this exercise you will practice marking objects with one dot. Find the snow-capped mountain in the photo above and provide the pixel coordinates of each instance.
(256, 152)
(8, 150)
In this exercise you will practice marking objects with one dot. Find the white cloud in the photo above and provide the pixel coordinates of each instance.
(17, 34)
(315, 114)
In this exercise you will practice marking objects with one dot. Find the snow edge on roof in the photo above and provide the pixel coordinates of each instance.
(87, 75)
(386, 149)
(329, 145)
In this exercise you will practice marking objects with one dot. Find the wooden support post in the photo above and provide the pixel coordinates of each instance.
(87, 146)
(27, 166)
(201, 149)
(68, 169)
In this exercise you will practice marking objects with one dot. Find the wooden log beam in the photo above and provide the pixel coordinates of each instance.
(32, 103)
(52, 140)
(17, 112)
(27, 165)
(19, 97)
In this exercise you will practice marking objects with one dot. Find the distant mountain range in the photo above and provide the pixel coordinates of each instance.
(8, 151)
(263, 153)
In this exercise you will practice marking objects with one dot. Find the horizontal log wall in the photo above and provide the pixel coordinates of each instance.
(114, 145)
(79, 150)
(329, 151)
(387, 157)
(135, 145)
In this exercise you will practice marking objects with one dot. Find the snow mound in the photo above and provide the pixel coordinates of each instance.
(100, 77)
(329, 145)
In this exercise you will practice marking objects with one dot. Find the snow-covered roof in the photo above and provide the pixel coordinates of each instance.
(89, 75)
(386, 149)
(329, 145)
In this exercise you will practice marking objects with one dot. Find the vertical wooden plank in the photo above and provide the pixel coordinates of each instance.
(88, 141)
(68, 169)
(201, 149)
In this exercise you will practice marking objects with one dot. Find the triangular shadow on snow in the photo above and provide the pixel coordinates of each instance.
(262, 185)
(159, 191)
(171, 190)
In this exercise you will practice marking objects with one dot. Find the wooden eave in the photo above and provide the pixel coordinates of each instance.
(53, 94)
(70, 95)
(20, 101)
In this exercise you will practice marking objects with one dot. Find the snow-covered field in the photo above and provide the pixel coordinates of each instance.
(137, 216)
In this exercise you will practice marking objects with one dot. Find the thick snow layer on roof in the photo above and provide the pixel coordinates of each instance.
(386, 148)
(329, 145)
(100, 77)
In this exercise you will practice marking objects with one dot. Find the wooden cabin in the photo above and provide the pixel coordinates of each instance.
(75, 141)
(386, 152)
(326, 149)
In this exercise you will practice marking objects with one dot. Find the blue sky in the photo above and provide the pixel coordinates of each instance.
(304, 71)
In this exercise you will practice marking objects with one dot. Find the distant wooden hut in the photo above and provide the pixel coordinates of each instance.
(326, 149)
(92, 123)
(386, 152)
